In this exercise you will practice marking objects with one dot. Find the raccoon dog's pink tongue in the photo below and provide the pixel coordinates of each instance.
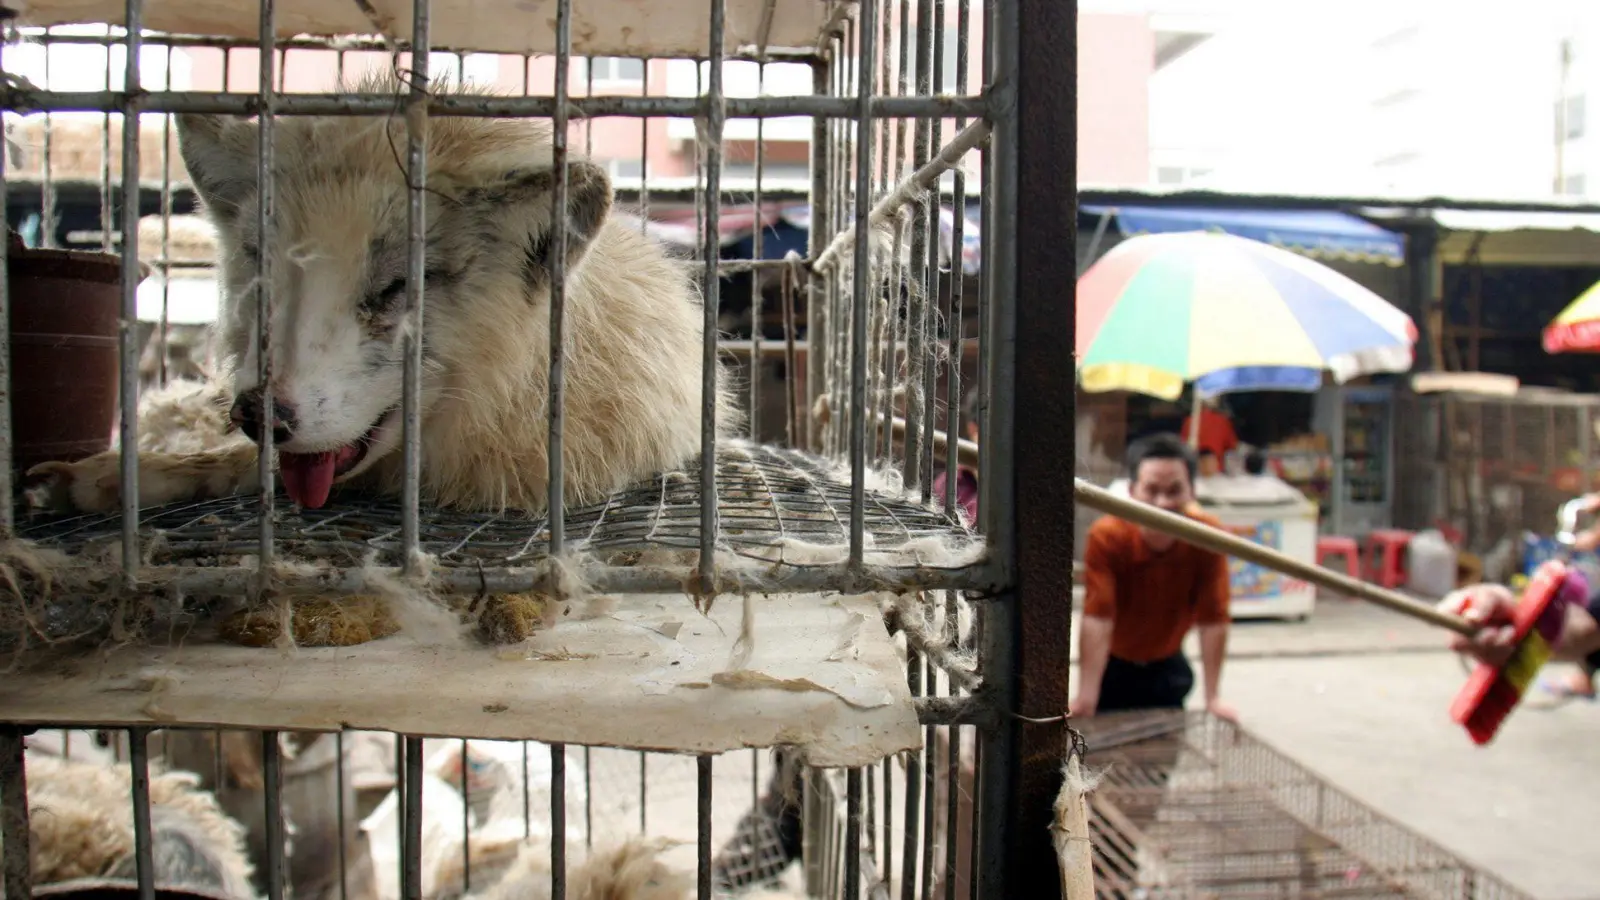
(308, 477)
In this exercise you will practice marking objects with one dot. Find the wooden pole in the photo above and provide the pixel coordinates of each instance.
(966, 451)
(1220, 541)
(1214, 539)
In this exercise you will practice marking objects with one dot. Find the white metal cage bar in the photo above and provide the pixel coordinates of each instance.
(265, 294)
(864, 59)
(710, 124)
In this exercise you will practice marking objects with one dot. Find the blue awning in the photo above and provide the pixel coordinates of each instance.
(1324, 234)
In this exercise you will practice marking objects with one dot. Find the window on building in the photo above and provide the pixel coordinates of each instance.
(1402, 172)
(611, 69)
(625, 169)
(948, 73)
(1395, 98)
(1570, 118)
(1176, 175)
(457, 68)
(770, 173)
(1397, 37)
(1572, 185)
(94, 67)
(1396, 160)
(944, 78)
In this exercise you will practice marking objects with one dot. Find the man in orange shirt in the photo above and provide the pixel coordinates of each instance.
(1145, 590)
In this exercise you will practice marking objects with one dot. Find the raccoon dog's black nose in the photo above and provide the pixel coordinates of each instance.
(246, 414)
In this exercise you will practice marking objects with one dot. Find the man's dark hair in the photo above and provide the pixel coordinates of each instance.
(1160, 446)
(1255, 462)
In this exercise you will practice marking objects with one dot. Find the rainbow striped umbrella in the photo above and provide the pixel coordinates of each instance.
(1577, 328)
(1230, 314)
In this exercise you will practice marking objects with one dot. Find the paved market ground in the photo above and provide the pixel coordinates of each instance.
(1361, 695)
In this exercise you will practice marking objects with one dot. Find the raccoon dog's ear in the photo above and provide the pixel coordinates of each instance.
(521, 203)
(220, 154)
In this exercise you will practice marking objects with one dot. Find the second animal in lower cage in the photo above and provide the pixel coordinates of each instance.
(208, 839)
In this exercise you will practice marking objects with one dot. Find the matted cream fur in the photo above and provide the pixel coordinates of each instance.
(634, 321)
(82, 827)
(629, 868)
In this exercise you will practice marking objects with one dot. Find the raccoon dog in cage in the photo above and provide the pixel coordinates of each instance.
(633, 364)
(83, 828)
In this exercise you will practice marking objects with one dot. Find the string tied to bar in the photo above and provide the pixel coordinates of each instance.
(407, 81)
(1077, 745)
(708, 125)
(1031, 720)
(703, 130)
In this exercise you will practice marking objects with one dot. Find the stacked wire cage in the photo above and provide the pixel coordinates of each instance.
(1495, 467)
(784, 665)
(1194, 806)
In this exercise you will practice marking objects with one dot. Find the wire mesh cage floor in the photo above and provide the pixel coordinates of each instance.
(765, 496)
(784, 523)
(1192, 806)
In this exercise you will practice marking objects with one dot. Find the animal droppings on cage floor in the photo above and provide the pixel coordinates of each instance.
(341, 622)
(617, 680)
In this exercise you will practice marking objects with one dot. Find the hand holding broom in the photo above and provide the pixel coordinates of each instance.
(1520, 636)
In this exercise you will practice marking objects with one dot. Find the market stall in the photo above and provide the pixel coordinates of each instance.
(1204, 315)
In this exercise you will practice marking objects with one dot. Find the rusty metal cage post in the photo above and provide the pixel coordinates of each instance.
(15, 865)
(1027, 489)
(7, 510)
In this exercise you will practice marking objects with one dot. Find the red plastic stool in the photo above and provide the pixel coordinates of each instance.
(1386, 562)
(1339, 545)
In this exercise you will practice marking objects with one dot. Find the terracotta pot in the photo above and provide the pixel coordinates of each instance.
(65, 308)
